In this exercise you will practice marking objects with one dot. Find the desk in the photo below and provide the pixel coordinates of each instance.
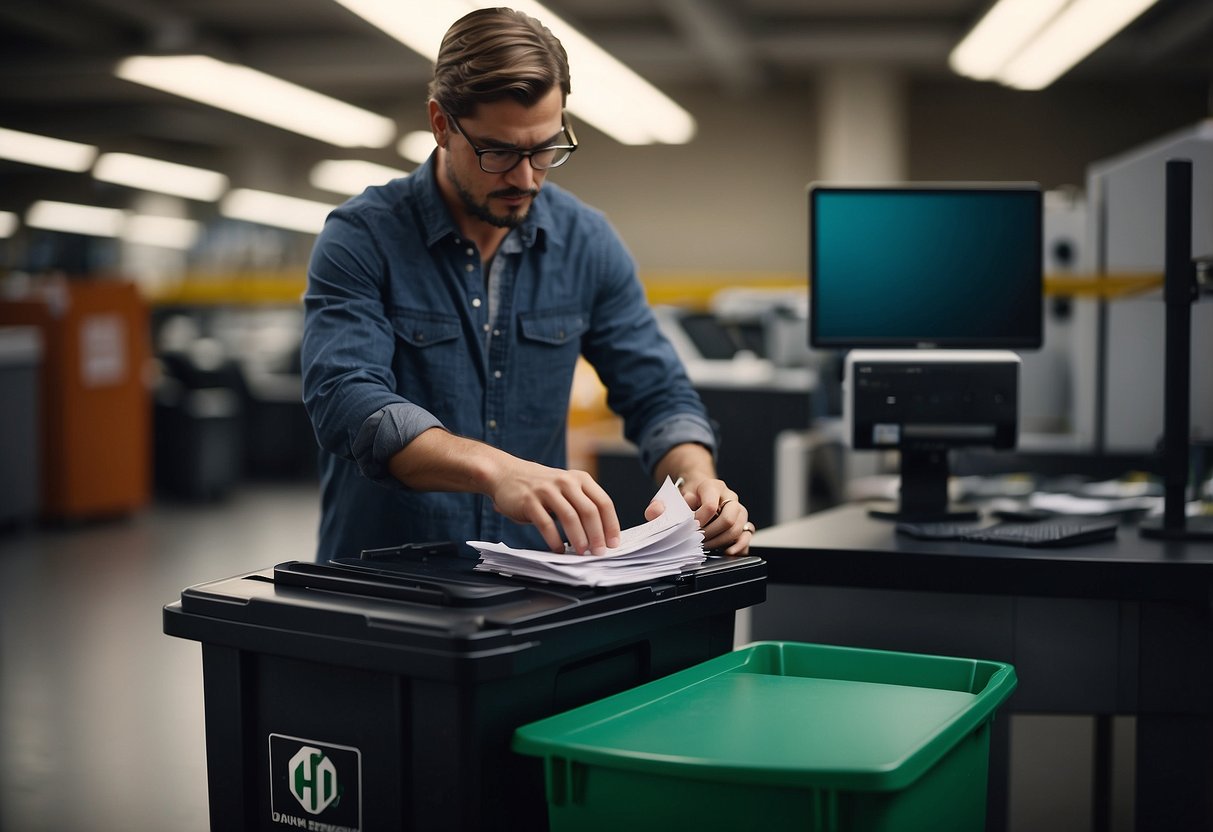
(1120, 627)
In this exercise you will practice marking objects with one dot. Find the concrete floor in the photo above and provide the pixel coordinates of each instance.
(100, 712)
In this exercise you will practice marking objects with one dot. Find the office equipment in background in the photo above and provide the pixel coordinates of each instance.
(935, 284)
(20, 368)
(950, 265)
(96, 443)
(1180, 291)
(1055, 532)
(924, 403)
(1120, 349)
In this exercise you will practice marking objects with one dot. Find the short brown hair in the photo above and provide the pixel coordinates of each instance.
(494, 54)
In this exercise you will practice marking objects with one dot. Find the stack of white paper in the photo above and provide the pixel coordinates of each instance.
(664, 546)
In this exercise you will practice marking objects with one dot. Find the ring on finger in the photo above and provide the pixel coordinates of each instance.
(747, 526)
(719, 509)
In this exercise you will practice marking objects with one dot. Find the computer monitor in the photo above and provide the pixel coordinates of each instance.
(929, 287)
(955, 265)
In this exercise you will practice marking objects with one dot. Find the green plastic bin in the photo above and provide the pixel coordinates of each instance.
(779, 735)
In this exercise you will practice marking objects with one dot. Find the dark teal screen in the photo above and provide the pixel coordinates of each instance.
(904, 267)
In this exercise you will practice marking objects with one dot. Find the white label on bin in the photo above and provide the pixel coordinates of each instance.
(315, 785)
(102, 350)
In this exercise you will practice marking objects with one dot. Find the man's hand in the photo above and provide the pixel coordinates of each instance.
(724, 520)
(527, 492)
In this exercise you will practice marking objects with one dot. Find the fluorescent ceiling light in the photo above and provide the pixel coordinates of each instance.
(351, 176)
(1080, 29)
(8, 224)
(75, 219)
(165, 232)
(259, 96)
(145, 229)
(160, 177)
(416, 146)
(1031, 43)
(45, 151)
(289, 212)
(999, 35)
(608, 95)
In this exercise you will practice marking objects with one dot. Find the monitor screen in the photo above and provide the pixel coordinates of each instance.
(953, 265)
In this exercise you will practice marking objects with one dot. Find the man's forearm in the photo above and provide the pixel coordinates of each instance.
(440, 461)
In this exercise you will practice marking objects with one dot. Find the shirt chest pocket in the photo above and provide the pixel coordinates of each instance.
(549, 343)
(431, 358)
(553, 329)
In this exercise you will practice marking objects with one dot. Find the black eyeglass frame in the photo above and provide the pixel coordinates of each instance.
(529, 155)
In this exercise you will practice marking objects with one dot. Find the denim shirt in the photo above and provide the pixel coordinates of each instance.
(401, 336)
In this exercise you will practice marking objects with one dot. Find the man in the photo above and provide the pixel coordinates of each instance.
(445, 314)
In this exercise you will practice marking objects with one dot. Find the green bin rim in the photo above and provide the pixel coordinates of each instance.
(549, 737)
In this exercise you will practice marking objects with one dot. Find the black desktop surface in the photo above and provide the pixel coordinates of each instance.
(845, 546)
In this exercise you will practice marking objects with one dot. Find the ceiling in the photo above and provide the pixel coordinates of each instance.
(56, 61)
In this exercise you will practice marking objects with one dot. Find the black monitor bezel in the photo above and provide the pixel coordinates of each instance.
(816, 341)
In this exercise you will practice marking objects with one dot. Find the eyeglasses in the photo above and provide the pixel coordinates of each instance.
(494, 160)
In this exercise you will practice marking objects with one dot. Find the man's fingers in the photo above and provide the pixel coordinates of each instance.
(541, 520)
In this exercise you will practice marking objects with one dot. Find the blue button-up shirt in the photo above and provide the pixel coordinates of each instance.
(404, 332)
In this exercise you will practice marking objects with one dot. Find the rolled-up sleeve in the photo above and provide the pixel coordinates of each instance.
(384, 433)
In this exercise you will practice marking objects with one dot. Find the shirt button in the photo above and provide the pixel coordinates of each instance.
(497, 374)
(471, 251)
(492, 424)
(476, 302)
(469, 268)
(496, 331)
(486, 327)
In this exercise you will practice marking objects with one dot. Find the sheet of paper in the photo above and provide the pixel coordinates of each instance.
(665, 545)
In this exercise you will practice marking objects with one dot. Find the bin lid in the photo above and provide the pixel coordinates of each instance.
(427, 599)
(785, 714)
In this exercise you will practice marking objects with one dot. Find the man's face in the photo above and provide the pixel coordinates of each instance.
(499, 199)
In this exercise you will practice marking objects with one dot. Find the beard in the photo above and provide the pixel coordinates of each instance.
(481, 210)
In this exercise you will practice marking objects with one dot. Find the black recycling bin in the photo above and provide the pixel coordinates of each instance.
(382, 693)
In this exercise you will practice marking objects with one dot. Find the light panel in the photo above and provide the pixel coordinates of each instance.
(72, 218)
(256, 95)
(160, 177)
(416, 146)
(1004, 30)
(1080, 29)
(33, 149)
(1029, 44)
(607, 94)
(8, 224)
(164, 232)
(278, 210)
(351, 176)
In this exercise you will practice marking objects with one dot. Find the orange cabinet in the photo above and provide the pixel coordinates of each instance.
(95, 403)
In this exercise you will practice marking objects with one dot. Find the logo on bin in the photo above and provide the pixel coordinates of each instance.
(321, 779)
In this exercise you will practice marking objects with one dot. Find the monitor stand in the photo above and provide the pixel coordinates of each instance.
(1179, 291)
(924, 491)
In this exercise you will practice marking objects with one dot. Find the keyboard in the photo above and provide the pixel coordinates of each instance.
(1061, 531)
